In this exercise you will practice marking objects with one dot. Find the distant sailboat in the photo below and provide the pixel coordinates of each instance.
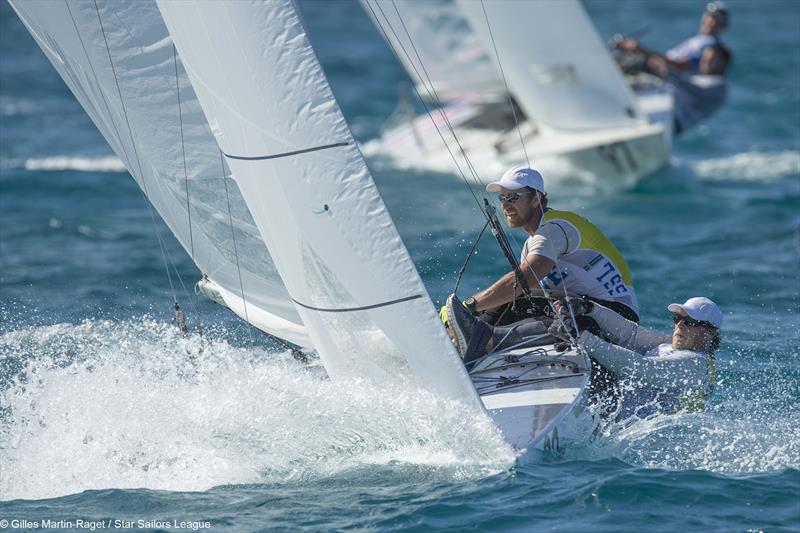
(223, 115)
(570, 100)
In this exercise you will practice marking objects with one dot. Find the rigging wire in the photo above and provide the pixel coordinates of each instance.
(496, 228)
(233, 236)
(435, 94)
(192, 300)
(293, 349)
(179, 319)
(505, 81)
(422, 100)
(100, 88)
(136, 155)
(486, 209)
(469, 256)
(183, 151)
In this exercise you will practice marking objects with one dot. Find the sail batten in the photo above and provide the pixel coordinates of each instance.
(362, 308)
(288, 154)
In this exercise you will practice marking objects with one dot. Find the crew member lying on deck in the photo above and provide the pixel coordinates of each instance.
(668, 372)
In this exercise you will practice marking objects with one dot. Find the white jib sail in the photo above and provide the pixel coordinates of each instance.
(119, 61)
(556, 65)
(312, 197)
(441, 45)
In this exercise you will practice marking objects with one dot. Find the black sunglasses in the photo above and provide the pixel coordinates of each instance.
(691, 322)
(511, 197)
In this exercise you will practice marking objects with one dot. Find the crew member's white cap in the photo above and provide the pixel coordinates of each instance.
(517, 178)
(719, 10)
(700, 308)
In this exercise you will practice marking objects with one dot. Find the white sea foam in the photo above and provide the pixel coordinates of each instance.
(133, 404)
(85, 164)
(734, 436)
(749, 166)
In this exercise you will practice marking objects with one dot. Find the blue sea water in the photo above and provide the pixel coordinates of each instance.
(107, 413)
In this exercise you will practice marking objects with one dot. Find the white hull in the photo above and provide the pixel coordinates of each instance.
(531, 394)
(617, 157)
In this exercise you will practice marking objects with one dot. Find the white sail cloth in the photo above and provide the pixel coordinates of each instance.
(437, 47)
(311, 195)
(556, 65)
(119, 61)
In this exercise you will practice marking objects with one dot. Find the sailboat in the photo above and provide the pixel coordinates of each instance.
(223, 115)
(518, 80)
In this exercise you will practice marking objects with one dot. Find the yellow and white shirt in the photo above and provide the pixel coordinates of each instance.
(587, 262)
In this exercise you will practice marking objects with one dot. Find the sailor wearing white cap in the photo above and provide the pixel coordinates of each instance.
(686, 56)
(674, 370)
(564, 252)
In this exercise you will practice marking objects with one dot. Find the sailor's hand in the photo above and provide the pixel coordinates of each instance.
(561, 329)
(627, 44)
(573, 307)
(443, 314)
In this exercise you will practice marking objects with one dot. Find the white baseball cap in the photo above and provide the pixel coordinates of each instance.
(517, 178)
(700, 308)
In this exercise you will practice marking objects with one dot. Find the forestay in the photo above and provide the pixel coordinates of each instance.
(311, 195)
(119, 61)
(555, 63)
(441, 45)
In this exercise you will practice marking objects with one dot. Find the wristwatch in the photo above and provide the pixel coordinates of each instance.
(471, 304)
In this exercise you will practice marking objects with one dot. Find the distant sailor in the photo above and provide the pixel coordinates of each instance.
(687, 55)
(694, 71)
(564, 252)
(667, 372)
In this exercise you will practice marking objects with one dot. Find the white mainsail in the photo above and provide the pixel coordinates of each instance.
(311, 195)
(119, 61)
(437, 47)
(556, 65)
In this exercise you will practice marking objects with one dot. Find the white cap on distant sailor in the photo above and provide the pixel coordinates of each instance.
(517, 178)
(700, 308)
(719, 10)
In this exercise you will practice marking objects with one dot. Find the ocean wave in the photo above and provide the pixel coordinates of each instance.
(749, 166)
(135, 405)
(82, 163)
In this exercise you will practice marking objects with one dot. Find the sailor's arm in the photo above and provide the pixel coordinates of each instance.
(534, 268)
(680, 369)
(633, 45)
(552, 240)
(623, 332)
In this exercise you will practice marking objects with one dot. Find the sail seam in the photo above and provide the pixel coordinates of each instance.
(352, 309)
(287, 154)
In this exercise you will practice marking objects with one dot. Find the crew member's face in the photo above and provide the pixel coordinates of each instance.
(523, 211)
(710, 25)
(685, 337)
